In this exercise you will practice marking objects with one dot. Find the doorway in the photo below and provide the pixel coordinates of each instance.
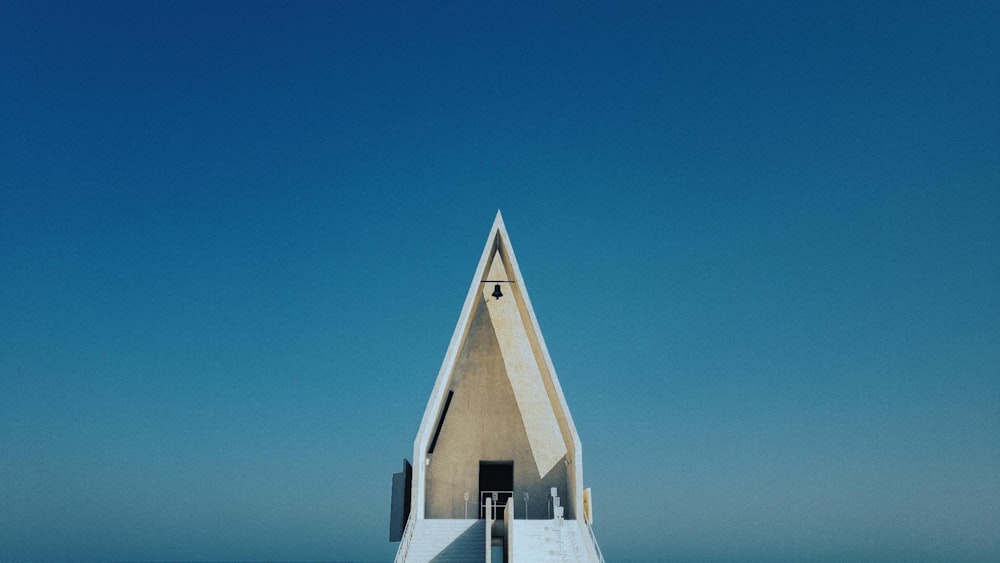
(496, 480)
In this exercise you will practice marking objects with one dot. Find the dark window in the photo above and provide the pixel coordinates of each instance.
(444, 413)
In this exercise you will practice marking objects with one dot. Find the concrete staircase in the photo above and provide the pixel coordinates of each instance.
(545, 541)
(444, 541)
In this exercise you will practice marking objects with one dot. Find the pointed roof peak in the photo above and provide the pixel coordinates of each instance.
(498, 252)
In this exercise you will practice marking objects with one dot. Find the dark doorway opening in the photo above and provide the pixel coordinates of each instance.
(496, 480)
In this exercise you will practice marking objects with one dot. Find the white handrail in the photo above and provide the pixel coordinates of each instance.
(593, 538)
(489, 529)
(500, 496)
(404, 542)
(508, 529)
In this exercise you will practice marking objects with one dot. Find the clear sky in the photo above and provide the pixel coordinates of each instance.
(762, 241)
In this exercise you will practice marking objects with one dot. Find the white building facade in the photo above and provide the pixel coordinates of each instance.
(497, 469)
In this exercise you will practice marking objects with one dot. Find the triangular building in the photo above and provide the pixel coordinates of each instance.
(497, 472)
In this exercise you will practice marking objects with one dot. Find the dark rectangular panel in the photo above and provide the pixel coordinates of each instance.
(399, 511)
(495, 477)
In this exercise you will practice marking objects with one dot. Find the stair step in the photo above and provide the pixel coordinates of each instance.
(445, 541)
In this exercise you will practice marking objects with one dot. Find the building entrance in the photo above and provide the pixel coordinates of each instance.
(496, 481)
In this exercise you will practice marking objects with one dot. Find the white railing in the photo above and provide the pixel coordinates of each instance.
(508, 530)
(404, 542)
(593, 538)
(498, 501)
(490, 509)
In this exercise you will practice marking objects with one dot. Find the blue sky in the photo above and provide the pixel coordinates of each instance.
(762, 242)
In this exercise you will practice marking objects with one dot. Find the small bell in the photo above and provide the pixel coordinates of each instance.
(496, 291)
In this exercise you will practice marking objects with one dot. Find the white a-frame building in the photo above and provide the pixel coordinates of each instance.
(497, 466)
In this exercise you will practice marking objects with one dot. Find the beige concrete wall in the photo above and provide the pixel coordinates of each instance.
(485, 423)
(515, 411)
